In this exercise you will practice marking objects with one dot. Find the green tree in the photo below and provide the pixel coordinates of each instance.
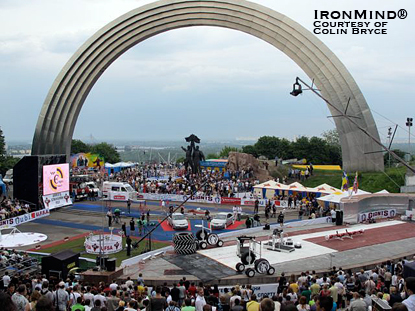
(393, 161)
(107, 151)
(250, 149)
(2, 144)
(6, 162)
(332, 137)
(224, 153)
(271, 146)
(180, 160)
(212, 156)
(78, 146)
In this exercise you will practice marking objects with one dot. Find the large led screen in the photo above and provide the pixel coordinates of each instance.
(55, 178)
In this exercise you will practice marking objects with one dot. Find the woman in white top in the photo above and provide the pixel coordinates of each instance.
(302, 304)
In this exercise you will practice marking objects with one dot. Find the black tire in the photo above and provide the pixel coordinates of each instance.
(183, 237)
(184, 242)
(250, 272)
(220, 243)
(240, 267)
(201, 235)
(271, 271)
(197, 245)
(248, 258)
(262, 266)
(185, 249)
(212, 239)
(202, 245)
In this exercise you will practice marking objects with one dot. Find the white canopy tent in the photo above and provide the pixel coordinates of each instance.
(337, 196)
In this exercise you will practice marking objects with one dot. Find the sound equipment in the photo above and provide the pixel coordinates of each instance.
(111, 264)
(60, 262)
(339, 218)
(28, 176)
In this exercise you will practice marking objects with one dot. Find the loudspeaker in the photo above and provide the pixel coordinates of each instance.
(111, 264)
(339, 218)
(28, 176)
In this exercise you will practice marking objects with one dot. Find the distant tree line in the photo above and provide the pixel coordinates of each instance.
(317, 150)
(6, 162)
(105, 150)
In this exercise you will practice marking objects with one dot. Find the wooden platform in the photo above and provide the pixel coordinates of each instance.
(107, 277)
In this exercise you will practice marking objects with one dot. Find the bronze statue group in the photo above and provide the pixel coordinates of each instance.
(193, 155)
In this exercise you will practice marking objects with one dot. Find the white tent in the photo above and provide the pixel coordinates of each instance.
(324, 188)
(337, 196)
(296, 186)
(383, 191)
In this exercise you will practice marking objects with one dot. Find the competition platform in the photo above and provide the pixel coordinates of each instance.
(381, 241)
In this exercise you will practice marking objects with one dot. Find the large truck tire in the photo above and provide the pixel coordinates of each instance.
(183, 237)
(248, 258)
(185, 249)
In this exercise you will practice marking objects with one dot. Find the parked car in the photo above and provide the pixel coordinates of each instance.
(222, 221)
(178, 221)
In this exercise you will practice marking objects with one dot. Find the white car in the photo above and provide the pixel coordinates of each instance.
(178, 221)
(92, 187)
(222, 221)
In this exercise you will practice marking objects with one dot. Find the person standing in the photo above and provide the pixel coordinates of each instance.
(281, 218)
(109, 216)
(200, 301)
(256, 206)
(410, 289)
(113, 301)
(124, 228)
(128, 241)
(132, 226)
(19, 298)
(129, 206)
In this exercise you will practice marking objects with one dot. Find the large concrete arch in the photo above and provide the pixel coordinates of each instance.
(64, 101)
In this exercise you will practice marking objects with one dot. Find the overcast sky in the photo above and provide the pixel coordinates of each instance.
(216, 83)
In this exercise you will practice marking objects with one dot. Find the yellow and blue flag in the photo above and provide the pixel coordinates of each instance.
(345, 182)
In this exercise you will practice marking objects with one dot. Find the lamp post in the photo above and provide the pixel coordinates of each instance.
(409, 124)
(389, 137)
(297, 90)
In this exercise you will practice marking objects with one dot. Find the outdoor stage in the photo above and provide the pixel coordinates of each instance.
(380, 241)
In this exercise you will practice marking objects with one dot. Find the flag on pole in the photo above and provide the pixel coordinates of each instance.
(345, 182)
(355, 184)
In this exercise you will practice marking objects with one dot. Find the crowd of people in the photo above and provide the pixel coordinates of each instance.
(337, 290)
(11, 208)
(209, 183)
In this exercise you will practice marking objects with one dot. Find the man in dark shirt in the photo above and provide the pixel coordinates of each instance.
(175, 293)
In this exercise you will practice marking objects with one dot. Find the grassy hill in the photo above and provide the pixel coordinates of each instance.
(390, 180)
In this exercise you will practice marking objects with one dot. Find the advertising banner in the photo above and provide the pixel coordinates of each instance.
(260, 290)
(230, 201)
(15, 221)
(56, 200)
(87, 160)
(387, 213)
(55, 178)
(251, 202)
(109, 244)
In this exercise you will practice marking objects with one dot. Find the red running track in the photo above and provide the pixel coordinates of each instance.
(369, 237)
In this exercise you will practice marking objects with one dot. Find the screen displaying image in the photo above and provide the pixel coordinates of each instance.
(55, 178)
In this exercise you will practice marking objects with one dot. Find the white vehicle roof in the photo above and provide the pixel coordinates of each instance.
(223, 213)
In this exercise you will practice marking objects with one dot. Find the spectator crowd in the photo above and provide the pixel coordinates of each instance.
(337, 290)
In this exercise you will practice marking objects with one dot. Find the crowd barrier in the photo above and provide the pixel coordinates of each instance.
(209, 199)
